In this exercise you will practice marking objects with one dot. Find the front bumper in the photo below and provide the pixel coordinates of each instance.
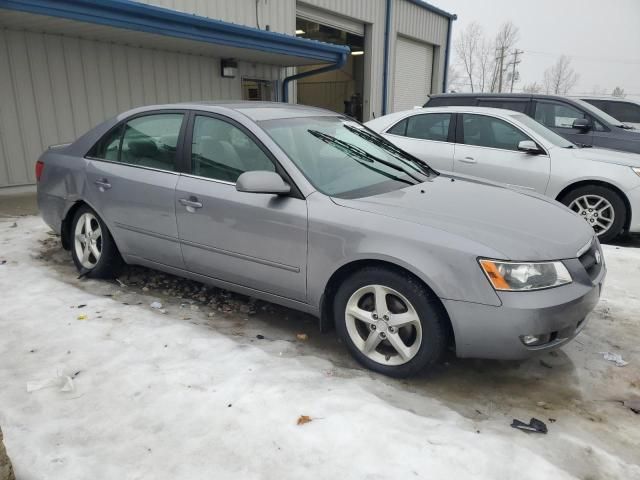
(484, 331)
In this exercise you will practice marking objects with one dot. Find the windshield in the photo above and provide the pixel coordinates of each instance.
(549, 135)
(603, 115)
(342, 158)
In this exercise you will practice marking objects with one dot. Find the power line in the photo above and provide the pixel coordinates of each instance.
(589, 58)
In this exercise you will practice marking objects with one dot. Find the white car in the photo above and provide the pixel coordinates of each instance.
(603, 186)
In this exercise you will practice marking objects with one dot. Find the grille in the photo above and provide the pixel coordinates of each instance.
(589, 262)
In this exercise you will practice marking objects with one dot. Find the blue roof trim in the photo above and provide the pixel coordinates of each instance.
(138, 16)
(433, 9)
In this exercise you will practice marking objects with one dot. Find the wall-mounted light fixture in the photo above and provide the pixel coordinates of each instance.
(228, 68)
(300, 32)
(357, 52)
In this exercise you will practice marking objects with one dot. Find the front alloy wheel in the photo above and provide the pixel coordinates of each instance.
(383, 325)
(596, 210)
(390, 321)
(601, 207)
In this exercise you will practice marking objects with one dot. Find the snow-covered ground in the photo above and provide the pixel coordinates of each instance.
(94, 383)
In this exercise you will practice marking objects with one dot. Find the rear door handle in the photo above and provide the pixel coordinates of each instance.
(468, 160)
(191, 203)
(103, 184)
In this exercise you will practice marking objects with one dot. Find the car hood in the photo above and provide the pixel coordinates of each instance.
(522, 226)
(607, 156)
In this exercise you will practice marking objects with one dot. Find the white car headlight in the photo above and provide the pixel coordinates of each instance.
(637, 170)
(517, 276)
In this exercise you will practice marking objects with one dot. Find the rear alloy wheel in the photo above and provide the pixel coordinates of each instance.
(601, 208)
(93, 250)
(390, 322)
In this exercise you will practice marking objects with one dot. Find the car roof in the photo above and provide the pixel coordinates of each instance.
(257, 111)
(505, 95)
(607, 98)
(496, 112)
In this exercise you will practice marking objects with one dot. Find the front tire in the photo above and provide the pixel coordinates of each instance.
(601, 207)
(390, 322)
(92, 247)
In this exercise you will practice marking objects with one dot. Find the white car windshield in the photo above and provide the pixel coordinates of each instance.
(343, 158)
(542, 131)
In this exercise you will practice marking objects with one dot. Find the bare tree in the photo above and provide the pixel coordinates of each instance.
(534, 87)
(618, 92)
(560, 78)
(466, 46)
(505, 40)
(455, 79)
(486, 65)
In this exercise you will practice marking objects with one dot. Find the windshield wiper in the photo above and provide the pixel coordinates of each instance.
(395, 151)
(359, 153)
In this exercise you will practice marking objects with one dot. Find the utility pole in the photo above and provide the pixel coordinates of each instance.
(500, 67)
(515, 62)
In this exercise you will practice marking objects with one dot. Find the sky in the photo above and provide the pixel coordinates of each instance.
(602, 38)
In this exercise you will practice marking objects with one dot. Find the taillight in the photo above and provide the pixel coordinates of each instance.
(39, 169)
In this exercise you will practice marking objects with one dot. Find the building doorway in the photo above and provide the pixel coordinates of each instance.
(340, 90)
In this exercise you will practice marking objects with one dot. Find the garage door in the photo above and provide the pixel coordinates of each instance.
(413, 70)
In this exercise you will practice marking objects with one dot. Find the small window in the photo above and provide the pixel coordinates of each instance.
(625, 111)
(431, 126)
(399, 128)
(504, 104)
(557, 115)
(484, 131)
(152, 141)
(108, 148)
(222, 151)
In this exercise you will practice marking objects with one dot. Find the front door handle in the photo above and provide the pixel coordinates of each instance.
(468, 160)
(191, 203)
(103, 184)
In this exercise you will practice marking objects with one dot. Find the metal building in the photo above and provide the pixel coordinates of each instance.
(67, 65)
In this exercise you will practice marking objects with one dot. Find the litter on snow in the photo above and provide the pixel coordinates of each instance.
(534, 426)
(614, 358)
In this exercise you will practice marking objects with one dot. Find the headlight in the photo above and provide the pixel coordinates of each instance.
(515, 276)
(637, 170)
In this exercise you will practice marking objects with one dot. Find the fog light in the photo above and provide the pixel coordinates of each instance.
(530, 339)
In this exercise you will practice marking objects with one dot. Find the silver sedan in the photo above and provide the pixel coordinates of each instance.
(602, 186)
(305, 208)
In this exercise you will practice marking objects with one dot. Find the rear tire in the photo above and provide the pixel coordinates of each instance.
(92, 247)
(601, 207)
(408, 335)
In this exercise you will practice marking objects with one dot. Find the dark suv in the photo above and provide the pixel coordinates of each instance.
(576, 120)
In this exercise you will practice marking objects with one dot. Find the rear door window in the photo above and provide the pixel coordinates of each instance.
(152, 141)
(430, 126)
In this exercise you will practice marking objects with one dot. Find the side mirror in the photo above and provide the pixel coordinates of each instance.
(260, 181)
(582, 124)
(528, 146)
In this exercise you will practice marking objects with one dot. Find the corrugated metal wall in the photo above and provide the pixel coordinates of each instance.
(280, 15)
(54, 88)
